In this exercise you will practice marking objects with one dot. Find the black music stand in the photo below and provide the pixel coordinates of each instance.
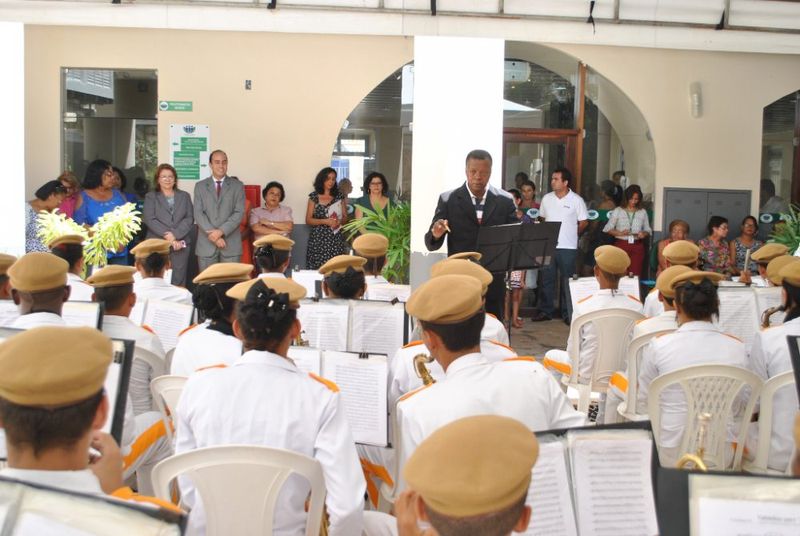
(517, 246)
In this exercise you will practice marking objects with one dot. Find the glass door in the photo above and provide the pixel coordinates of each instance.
(536, 153)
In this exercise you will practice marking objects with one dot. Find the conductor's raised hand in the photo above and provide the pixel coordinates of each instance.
(439, 228)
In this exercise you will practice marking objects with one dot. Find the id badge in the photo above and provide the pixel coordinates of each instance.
(631, 239)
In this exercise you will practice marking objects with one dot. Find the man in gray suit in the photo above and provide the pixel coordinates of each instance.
(218, 211)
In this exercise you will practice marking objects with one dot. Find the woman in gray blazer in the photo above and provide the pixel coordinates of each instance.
(168, 214)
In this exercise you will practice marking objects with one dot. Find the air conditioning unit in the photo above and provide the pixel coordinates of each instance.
(517, 71)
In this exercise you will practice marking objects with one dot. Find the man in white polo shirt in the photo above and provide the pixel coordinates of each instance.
(565, 206)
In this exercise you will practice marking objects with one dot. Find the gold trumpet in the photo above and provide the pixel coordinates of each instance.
(768, 313)
(688, 460)
(420, 360)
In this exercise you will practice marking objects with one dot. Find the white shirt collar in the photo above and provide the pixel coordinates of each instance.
(83, 481)
(465, 361)
(272, 274)
(266, 358)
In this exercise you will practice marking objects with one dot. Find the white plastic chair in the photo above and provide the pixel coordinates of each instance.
(627, 408)
(771, 386)
(239, 486)
(166, 392)
(156, 363)
(168, 359)
(613, 327)
(708, 389)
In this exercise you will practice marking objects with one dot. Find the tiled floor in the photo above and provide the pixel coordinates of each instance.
(535, 338)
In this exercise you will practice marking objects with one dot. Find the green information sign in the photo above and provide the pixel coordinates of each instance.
(175, 106)
(189, 147)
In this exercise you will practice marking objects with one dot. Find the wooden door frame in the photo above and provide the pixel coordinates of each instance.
(569, 137)
(796, 146)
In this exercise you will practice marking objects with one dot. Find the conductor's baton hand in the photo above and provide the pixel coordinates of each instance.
(439, 228)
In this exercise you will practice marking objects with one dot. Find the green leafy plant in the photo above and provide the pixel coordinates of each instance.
(112, 231)
(394, 225)
(787, 231)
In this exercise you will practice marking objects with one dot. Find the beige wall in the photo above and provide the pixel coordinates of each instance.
(721, 149)
(304, 87)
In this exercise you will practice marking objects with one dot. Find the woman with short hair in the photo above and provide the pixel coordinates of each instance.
(376, 196)
(48, 197)
(272, 218)
(744, 243)
(715, 252)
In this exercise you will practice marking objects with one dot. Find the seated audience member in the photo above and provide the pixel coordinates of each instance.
(450, 310)
(744, 243)
(152, 261)
(461, 491)
(53, 406)
(715, 253)
(213, 342)
(696, 342)
(762, 257)
(70, 248)
(678, 231)
(9, 315)
(493, 329)
(39, 289)
(344, 277)
(769, 357)
(677, 253)
(272, 255)
(113, 287)
(276, 406)
(611, 263)
(273, 218)
(373, 247)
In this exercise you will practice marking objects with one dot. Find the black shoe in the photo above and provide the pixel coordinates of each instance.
(540, 317)
(567, 322)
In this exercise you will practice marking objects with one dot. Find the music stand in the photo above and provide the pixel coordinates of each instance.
(517, 246)
(794, 353)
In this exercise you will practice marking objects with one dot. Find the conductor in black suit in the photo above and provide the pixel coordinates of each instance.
(462, 211)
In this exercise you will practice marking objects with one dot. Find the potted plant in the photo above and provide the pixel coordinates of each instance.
(787, 230)
(394, 225)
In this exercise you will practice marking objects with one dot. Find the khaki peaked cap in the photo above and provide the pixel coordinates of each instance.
(664, 281)
(280, 285)
(278, 242)
(447, 299)
(340, 263)
(777, 265)
(696, 277)
(790, 274)
(469, 255)
(767, 252)
(224, 272)
(612, 259)
(452, 266)
(681, 252)
(38, 272)
(6, 261)
(113, 275)
(75, 239)
(152, 245)
(371, 245)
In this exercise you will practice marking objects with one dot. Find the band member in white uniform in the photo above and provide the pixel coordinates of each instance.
(277, 406)
(213, 342)
(272, 255)
(611, 264)
(8, 312)
(762, 257)
(152, 262)
(677, 253)
(39, 289)
(770, 357)
(450, 310)
(344, 277)
(696, 342)
(113, 287)
(70, 248)
(373, 247)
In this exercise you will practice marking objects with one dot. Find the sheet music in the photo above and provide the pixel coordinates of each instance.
(307, 359)
(111, 385)
(8, 313)
(79, 314)
(584, 287)
(549, 495)
(769, 297)
(746, 518)
(362, 383)
(613, 486)
(308, 279)
(168, 319)
(137, 313)
(324, 324)
(738, 315)
(387, 292)
(376, 327)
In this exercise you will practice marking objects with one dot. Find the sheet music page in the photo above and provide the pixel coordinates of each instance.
(630, 285)
(549, 495)
(362, 383)
(137, 313)
(387, 292)
(168, 319)
(738, 315)
(766, 298)
(612, 485)
(307, 359)
(8, 313)
(307, 278)
(746, 518)
(582, 288)
(81, 314)
(376, 327)
(324, 324)
(111, 385)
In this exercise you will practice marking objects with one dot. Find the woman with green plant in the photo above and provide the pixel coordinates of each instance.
(375, 198)
(48, 197)
(395, 225)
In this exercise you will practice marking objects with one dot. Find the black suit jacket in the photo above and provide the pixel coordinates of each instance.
(457, 208)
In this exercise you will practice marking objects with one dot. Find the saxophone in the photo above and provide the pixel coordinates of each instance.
(300, 341)
(696, 460)
(768, 313)
(420, 360)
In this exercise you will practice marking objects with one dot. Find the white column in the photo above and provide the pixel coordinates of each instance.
(458, 107)
(12, 137)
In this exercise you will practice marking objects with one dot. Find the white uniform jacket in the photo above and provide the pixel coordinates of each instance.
(278, 275)
(665, 320)
(403, 377)
(199, 347)
(652, 305)
(35, 320)
(769, 357)
(265, 400)
(79, 290)
(519, 388)
(494, 330)
(694, 343)
(155, 288)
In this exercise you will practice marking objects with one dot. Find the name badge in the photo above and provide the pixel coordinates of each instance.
(631, 239)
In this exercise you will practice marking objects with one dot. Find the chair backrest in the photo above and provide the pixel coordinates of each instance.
(766, 408)
(156, 363)
(168, 360)
(709, 389)
(613, 327)
(240, 484)
(166, 392)
(634, 357)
